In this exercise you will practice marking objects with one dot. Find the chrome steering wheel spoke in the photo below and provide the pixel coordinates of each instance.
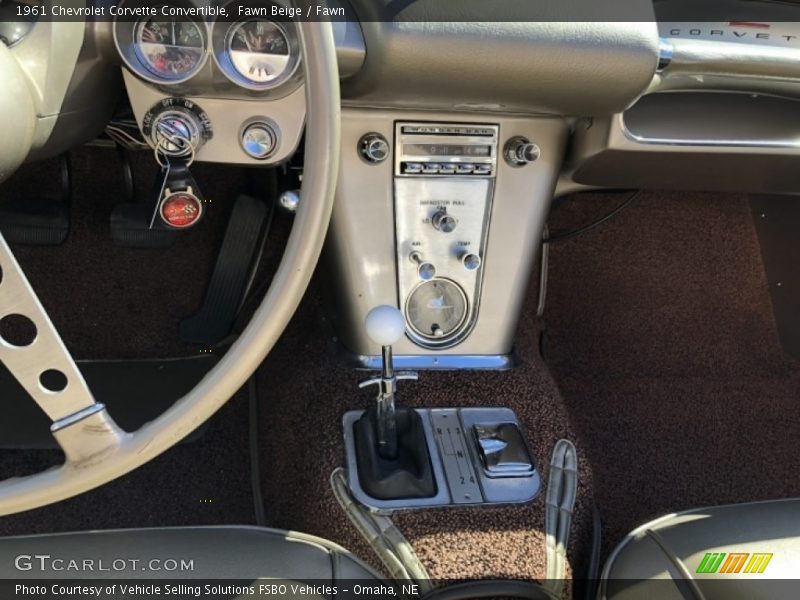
(36, 356)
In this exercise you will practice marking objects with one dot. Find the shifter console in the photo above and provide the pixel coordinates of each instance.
(400, 458)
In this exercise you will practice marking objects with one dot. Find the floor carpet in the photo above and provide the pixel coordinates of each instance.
(662, 340)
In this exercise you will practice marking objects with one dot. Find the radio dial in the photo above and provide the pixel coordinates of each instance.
(520, 151)
(443, 222)
(374, 148)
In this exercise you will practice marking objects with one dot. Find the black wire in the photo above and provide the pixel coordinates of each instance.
(567, 235)
(255, 469)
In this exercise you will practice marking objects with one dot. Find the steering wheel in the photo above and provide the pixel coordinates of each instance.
(96, 449)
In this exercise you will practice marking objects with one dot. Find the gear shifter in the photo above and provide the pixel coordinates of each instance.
(385, 327)
(391, 447)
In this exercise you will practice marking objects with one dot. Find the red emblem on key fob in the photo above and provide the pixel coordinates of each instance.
(180, 210)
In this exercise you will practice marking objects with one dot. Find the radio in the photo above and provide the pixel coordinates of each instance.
(446, 150)
(443, 189)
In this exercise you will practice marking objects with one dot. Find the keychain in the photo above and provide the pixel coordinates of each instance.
(179, 204)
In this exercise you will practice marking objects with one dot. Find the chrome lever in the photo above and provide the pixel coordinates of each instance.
(386, 326)
(411, 375)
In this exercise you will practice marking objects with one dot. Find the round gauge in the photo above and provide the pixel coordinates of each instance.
(436, 309)
(171, 49)
(260, 52)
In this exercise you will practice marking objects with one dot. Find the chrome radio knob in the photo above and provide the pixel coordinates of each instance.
(443, 221)
(520, 151)
(374, 148)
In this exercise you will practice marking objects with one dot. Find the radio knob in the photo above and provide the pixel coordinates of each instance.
(374, 148)
(443, 221)
(520, 151)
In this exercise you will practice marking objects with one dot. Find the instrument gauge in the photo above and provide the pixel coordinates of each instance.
(170, 49)
(260, 54)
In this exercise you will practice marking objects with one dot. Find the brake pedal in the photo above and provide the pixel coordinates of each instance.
(130, 227)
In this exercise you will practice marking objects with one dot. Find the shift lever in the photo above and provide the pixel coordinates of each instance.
(385, 327)
(391, 445)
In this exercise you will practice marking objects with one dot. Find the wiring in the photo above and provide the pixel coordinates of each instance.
(126, 133)
(568, 235)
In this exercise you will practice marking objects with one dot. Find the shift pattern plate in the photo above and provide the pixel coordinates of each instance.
(460, 476)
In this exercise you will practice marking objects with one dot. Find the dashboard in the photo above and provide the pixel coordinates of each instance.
(458, 128)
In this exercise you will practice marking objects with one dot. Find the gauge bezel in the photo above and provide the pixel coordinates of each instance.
(126, 39)
(138, 28)
(222, 32)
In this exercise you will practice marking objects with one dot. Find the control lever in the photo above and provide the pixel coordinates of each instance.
(385, 327)
(391, 446)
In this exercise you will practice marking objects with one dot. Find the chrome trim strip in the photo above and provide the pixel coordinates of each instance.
(444, 362)
(665, 52)
(718, 143)
(78, 416)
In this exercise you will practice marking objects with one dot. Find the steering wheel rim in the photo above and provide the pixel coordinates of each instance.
(96, 449)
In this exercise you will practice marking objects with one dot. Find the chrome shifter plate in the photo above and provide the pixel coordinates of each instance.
(459, 470)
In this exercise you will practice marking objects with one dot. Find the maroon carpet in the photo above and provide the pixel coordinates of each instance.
(662, 341)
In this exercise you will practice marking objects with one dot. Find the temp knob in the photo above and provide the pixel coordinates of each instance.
(443, 221)
(520, 151)
(374, 148)
(471, 261)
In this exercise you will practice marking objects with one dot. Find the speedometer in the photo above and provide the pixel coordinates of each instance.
(260, 52)
(171, 49)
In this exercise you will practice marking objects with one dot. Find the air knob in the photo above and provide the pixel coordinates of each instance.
(385, 325)
(520, 151)
(425, 270)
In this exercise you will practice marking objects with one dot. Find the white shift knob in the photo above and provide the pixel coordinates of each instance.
(385, 325)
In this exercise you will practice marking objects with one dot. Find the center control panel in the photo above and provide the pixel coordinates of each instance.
(444, 178)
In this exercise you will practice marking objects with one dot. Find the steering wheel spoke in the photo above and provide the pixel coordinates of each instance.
(34, 353)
